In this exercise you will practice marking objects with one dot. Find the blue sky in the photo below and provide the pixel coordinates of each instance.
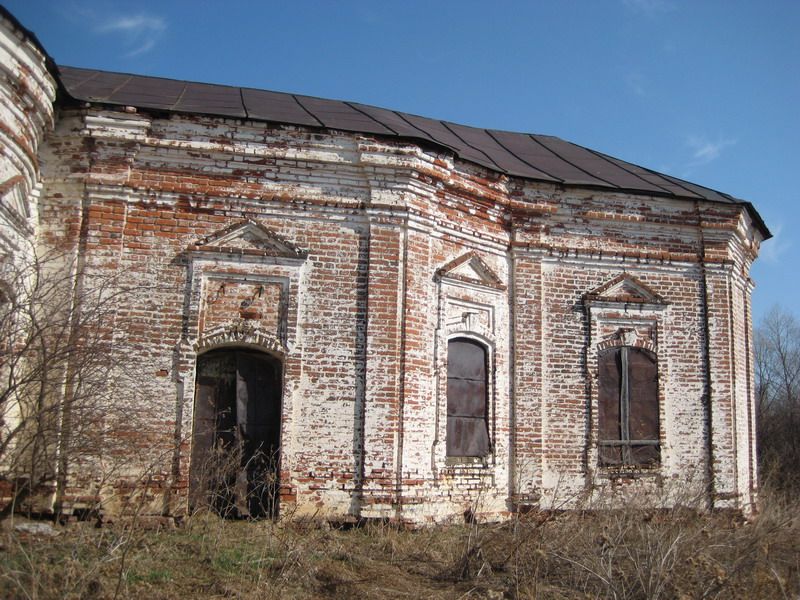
(706, 91)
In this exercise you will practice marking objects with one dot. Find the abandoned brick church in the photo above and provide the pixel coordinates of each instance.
(390, 316)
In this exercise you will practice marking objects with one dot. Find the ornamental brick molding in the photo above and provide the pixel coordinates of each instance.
(352, 287)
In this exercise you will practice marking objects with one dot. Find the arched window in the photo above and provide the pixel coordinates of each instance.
(467, 399)
(628, 424)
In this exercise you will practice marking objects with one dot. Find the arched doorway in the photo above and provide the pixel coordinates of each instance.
(236, 437)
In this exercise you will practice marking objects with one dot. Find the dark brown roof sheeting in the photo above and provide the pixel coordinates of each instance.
(536, 157)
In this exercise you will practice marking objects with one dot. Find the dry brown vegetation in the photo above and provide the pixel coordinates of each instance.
(68, 413)
(632, 553)
(678, 553)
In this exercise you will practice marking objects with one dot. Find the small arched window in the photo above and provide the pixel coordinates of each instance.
(628, 423)
(467, 399)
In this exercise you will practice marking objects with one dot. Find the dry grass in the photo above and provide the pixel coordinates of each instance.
(611, 554)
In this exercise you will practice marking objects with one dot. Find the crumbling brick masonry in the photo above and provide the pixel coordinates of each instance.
(414, 319)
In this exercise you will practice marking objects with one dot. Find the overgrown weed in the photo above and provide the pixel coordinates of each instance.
(613, 553)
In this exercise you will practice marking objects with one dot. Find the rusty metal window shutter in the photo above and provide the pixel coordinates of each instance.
(643, 402)
(608, 406)
(467, 398)
(628, 421)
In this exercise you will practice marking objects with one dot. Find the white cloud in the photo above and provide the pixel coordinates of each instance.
(705, 150)
(636, 84)
(649, 7)
(773, 249)
(138, 24)
(140, 32)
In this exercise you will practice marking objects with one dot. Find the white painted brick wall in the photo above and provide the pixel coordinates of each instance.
(363, 321)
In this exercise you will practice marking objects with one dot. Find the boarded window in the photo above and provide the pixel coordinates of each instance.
(467, 426)
(628, 428)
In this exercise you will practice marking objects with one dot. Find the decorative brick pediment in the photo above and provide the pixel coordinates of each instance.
(242, 333)
(624, 289)
(251, 238)
(14, 201)
(470, 268)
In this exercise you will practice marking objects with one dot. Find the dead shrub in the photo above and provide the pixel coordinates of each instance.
(624, 553)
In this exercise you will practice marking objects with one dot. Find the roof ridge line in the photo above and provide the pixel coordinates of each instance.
(94, 76)
(310, 114)
(569, 162)
(244, 104)
(128, 78)
(679, 182)
(619, 166)
(183, 93)
(612, 159)
(370, 117)
(519, 158)
(428, 136)
(450, 129)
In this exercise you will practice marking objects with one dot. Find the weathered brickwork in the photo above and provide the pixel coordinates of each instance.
(354, 259)
(27, 93)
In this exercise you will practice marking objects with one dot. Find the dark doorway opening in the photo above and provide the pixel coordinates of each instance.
(236, 438)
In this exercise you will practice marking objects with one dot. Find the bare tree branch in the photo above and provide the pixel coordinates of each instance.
(777, 371)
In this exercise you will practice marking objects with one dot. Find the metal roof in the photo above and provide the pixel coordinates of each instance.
(536, 157)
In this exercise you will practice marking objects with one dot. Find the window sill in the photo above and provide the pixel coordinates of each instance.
(630, 471)
(468, 461)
